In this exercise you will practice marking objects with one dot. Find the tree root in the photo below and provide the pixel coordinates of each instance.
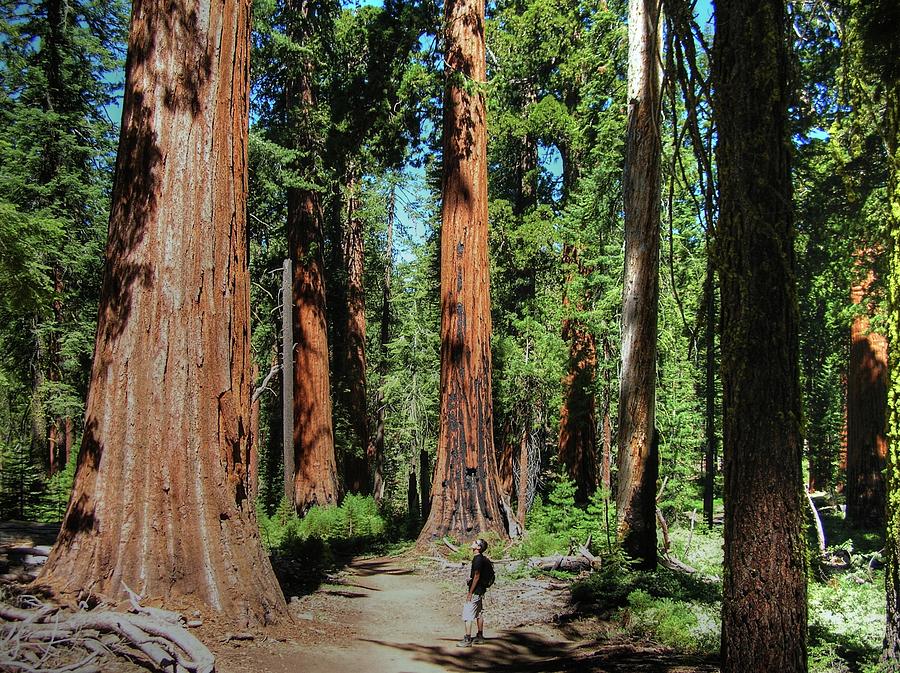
(44, 640)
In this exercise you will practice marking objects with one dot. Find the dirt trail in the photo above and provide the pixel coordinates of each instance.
(384, 617)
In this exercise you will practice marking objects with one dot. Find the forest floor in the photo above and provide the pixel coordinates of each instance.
(401, 614)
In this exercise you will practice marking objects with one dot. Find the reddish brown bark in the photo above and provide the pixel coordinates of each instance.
(867, 386)
(638, 459)
(578, 416)
(466, 496)
(505, 460)
(315, 480)
(357, 464)
(160, 496)
(764, 606)
(69, 438)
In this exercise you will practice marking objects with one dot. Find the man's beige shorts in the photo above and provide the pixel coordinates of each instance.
(472, 609)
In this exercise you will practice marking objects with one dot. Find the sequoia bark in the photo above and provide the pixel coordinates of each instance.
(315, 476)
(867, 385)
(160, 501)
(466, 497)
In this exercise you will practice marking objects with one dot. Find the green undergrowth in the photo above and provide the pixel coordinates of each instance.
(846, 621)
(556, 524)
(327, 534)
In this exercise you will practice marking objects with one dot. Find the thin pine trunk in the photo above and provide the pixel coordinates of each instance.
(710, 459)
(385, 337)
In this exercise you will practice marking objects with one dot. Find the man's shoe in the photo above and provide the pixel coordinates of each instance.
(465, 642)
(479, 639)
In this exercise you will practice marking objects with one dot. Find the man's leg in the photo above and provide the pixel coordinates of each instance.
(468, 617)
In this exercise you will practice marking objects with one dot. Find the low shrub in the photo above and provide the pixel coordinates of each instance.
(686, 626)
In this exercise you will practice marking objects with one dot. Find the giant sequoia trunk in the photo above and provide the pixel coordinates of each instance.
(160, 501)
(315, 478)
(578, 416)
(764, 611)
(866, 415)
(466, 497)
(638, 459)
(353, 333)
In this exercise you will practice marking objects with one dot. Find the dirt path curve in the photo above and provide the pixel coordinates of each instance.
(383, 617)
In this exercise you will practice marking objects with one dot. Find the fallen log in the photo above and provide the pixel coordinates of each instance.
(559, 562)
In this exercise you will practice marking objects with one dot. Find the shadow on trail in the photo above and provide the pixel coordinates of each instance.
(511, 652)
(383, 566)
(515, 652)
(304, 567)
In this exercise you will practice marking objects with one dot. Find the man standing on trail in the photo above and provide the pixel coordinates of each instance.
(481, 576)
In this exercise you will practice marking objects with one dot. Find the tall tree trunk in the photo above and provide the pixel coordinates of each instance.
(710, 458)
(606, 446)
(425, 477)
(867, 386)
(638, 459)
(524, 478)
(882, 50)
(69, 438)
(315, 480)
(578, 422)
(764, 612)
(358, 464)
(385, 337)
(160, 496)
(507, 449)
(577, 427)
(288, 365)
(466, 496)
(253, 467)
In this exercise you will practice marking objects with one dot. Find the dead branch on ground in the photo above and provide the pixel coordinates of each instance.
(43, 639)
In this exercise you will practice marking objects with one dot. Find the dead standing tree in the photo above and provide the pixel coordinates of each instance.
(160, 500)
(638, 459)
(466, 497)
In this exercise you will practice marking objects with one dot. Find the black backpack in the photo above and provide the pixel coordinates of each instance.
(487, 574)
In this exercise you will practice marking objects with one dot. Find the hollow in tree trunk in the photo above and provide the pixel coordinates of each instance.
(764, 611)
(160, 501)
(465, 494)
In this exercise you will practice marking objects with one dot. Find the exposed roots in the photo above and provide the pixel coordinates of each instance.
(39, 638)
